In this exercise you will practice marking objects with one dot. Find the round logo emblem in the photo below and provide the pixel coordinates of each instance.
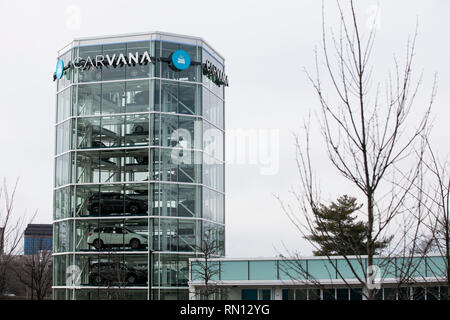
(59, 69)
(180, 60)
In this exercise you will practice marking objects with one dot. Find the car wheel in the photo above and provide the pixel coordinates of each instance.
(133, 209)
(97, 280)
(139, 129)
(95, 210)
(140, 159)
(98, 244)
(131, 279)
(135, 243)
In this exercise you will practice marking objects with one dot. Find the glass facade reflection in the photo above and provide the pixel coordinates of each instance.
(139, 167)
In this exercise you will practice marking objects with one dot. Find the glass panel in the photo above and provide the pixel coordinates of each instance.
(213, 139)
(89, 133)
(249, 294)
(404, 293)
(59, 294)
(321, 269)
(387, 267)
(418, 293)
(411, 267)
(138, 70)
(234, 270)
(342, 294)
(292, 269)
(175, 235)
(63, 135)
(378, 294)
(62, 241)
(207, 83)
(178, 131)
(328, 294)
(62, 169)
(265, 294)
(356, 294)
(215, 235)
(301, 294)
(62, 203)
(213, 205)
(347, 270)
(179, 98)
(176, 200)
(287, 294)
(61, 262)
(390, 294)
(444, 292)
(263, 270)
(213, 173)
(65, 80)
(86, 54)
(137, 96)
(113, 97)
(110, 72)
(89, 100)
(177, 165)
(432, 293)
(171, 270)
(64, 105)
(212, 108)
(436, 267)
(314, 294)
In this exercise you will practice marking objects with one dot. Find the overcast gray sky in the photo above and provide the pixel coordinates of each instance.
(266, 44)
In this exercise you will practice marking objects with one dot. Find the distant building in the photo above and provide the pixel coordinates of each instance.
(38, 237)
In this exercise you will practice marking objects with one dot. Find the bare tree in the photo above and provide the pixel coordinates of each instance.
(370, 138)
(207, 269)
(35, 272)
(11, 235)
(435, 199)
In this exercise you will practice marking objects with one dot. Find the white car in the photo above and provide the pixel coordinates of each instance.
(116, 236)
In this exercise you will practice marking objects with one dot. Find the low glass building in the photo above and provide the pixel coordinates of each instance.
(139, 164)
(319, 278)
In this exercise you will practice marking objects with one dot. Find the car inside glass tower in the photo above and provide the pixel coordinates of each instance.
(139, 165)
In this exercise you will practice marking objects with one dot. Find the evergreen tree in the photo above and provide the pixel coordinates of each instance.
(336, 231)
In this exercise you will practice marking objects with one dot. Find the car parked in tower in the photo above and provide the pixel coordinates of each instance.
(115, 202)
(116, 273)
(112, 236)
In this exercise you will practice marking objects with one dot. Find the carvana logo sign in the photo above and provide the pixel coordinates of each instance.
(180, 60)
(59, 69)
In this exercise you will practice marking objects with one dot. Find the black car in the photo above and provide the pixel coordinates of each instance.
(116, 273)
(115, 202)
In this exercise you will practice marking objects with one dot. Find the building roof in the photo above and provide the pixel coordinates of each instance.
(323, 269)
(39, 230)
(141, 35)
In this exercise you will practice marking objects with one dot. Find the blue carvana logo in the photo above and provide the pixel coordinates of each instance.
(181, 60)
(59, 69)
